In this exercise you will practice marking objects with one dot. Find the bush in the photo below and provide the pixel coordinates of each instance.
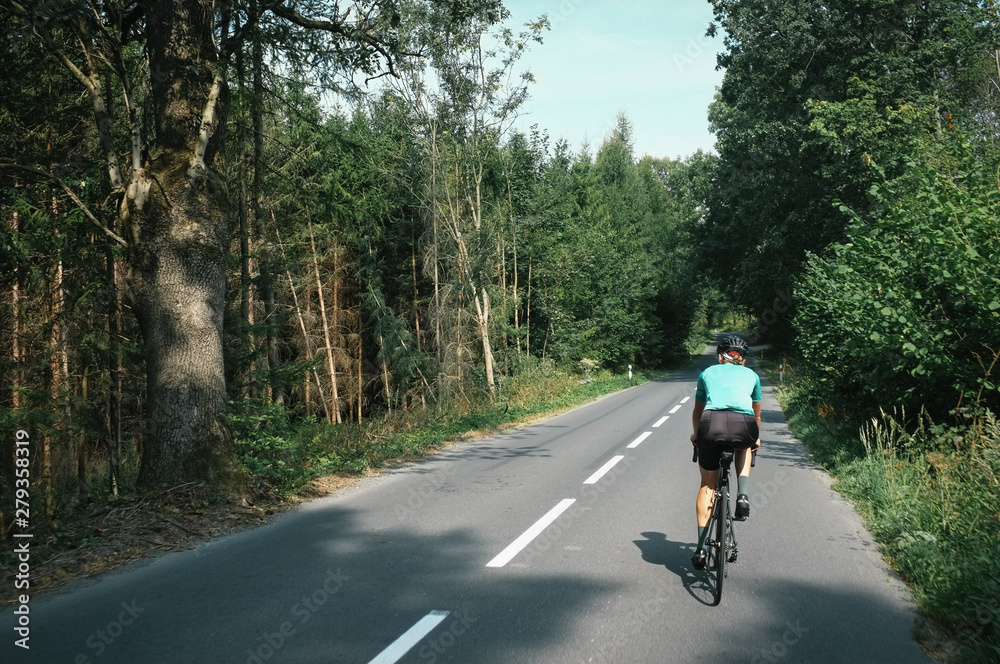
(908, 311)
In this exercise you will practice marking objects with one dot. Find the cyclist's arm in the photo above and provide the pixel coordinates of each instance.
(699, 408)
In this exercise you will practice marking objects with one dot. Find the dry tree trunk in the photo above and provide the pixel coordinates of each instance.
(114, 377)
(527, 313)
(335, 415)
(305, 332)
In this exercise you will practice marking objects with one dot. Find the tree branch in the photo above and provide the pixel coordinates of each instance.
(90, 81)
(69, 192)
(198, 166)
(338, 27)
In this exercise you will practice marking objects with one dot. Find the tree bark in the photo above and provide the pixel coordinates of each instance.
(180, 227)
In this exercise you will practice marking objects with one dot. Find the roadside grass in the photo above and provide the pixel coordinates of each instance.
(929, 493)
(284, 456)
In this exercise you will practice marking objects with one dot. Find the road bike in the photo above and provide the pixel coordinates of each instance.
(721, 546)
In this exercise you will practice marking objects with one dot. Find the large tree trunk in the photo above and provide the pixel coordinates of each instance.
(180, 228)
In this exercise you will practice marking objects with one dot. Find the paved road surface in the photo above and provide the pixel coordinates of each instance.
(433, 563)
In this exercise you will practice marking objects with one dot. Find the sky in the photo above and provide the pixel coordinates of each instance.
(647, 58)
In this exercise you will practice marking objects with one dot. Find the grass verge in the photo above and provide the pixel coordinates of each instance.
(284, 456)
(929, 494)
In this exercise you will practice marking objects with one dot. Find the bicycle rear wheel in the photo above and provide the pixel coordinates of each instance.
(718, 551)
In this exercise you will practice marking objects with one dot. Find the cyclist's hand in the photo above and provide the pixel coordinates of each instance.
(694, 438)
(756, 445)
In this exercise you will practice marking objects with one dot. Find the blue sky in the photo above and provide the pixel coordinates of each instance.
(648, 58)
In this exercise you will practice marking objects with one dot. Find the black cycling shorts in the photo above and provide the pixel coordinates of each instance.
(719, 429)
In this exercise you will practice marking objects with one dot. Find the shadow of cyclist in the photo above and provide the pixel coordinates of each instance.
(657, 550)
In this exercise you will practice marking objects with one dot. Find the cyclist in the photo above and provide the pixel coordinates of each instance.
(726, 413)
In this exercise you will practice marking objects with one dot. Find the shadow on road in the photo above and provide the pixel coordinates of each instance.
(676, 557)
(794, 619)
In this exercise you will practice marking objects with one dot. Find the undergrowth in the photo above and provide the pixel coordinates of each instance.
(929, 493)
(282, 455)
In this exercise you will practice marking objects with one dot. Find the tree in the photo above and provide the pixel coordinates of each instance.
(623, 266)
(814, 91)
(465, 101)
(687, 301)
(171, 198)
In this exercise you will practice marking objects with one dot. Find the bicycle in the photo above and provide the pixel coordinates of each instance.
(721, 546)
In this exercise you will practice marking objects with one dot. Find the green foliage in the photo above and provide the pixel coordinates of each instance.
(813, 90)
(262, 434)
(615, 274)
(283, 455)
(934, 510)
(927, 492)
(908, 311)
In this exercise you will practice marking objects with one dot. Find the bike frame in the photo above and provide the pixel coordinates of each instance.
(721, 545)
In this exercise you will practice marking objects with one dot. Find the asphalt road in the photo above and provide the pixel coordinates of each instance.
(526, 547)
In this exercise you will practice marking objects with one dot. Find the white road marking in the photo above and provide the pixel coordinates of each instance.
(603, 469)
(661, 421)
(515, 547)
(410, 638)
(685, 399)
(635, 443)
(674, 409)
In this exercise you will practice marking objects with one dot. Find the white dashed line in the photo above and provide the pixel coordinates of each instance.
(410, 638)
(635, 443)
(661, 421)
(675, 409)
(603, 469)
(515, 547)
(685, 399)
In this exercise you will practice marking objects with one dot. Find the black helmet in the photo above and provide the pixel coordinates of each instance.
(733, 343)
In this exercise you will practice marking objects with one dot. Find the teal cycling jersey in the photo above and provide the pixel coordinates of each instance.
(728, 387)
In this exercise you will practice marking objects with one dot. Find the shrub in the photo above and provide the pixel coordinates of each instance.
(908, 311)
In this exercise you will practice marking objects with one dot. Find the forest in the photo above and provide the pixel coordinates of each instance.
(246, 236)
(312, 260)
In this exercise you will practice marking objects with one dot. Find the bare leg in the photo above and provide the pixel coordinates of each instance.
(706, 495)
(742, 460)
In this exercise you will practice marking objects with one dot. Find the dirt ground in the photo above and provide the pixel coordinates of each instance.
(118, 533)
